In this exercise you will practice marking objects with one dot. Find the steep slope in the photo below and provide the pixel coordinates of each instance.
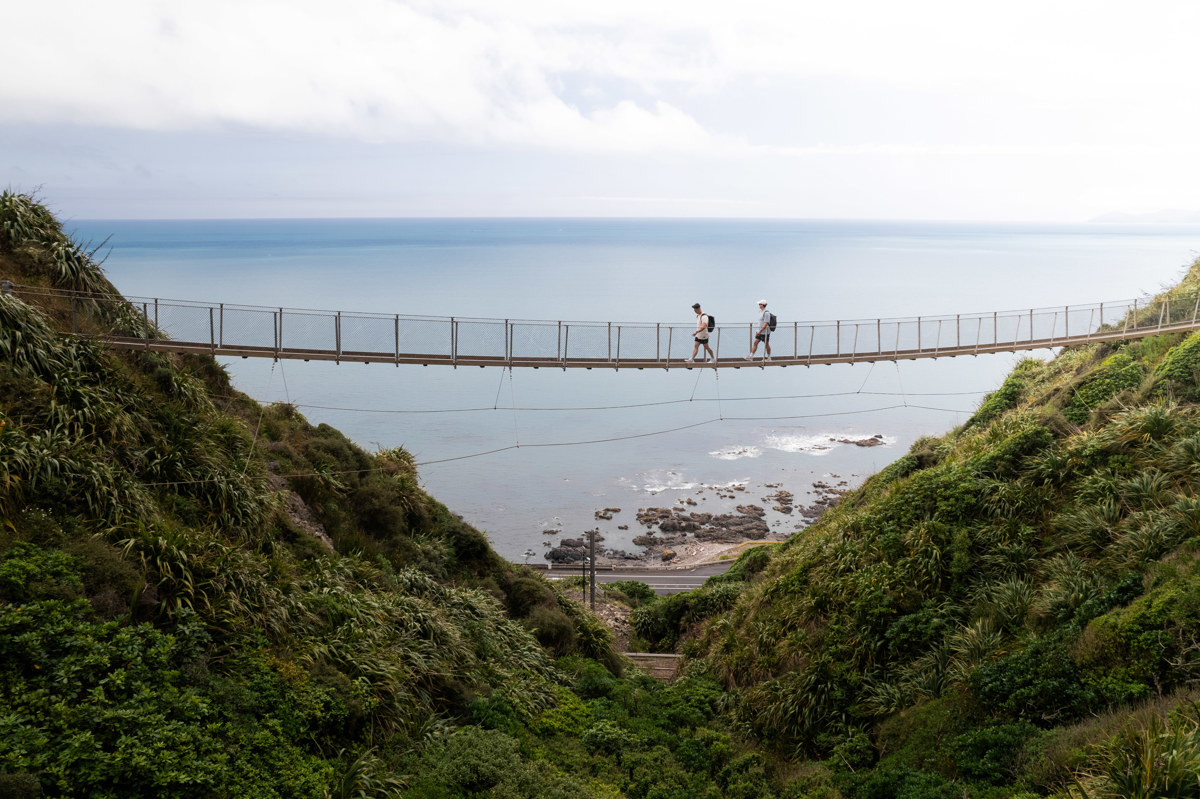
(997, 599)
(169, 623)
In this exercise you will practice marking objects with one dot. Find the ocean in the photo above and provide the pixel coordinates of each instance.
(528, 451)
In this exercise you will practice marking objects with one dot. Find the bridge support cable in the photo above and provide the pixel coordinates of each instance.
(512, 398)
(257, 427)
(717, 387)
(865, 379)
(900, 382)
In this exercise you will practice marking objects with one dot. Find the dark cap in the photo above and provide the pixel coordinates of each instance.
(695, 305)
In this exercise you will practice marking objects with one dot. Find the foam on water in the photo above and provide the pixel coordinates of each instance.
(811, 444)
(658, 482)
(734, 453)
(818, 444)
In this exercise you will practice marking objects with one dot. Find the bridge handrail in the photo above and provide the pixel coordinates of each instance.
(137, 300)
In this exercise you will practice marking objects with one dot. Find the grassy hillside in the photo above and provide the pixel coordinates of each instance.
(203, 597)
(1012, 607)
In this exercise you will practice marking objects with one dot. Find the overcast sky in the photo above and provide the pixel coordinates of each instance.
(1014, 110)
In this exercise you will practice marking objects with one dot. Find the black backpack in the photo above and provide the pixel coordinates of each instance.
(771, 324)
(712, 322)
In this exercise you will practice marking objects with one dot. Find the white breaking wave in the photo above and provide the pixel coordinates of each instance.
(658, 482)
(818, 444)
(796, 442)
(735, 453)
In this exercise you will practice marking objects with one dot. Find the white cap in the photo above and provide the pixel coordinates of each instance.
(762, 302)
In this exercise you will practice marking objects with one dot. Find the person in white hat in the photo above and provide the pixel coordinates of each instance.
(764, 332)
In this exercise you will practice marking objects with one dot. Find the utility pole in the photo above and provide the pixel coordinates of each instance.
(592, 538)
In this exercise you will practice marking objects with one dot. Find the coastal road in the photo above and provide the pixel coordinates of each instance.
(661, 581)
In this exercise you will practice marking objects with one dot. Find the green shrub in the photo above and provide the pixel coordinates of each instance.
(1002, 399)
(897, 782)
(1179, 371)
(552, 628)
(524, 593)
(477, 763)
(28, 573)
(636, 592)
(1039, 682)
(1115, 374)
(991, 754)
(594, 681)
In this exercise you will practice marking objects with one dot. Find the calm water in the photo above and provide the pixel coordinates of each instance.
(566, 443)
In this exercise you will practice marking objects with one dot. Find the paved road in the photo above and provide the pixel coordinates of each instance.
(662, 581)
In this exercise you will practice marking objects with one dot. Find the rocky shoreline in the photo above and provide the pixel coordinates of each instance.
(679, 535)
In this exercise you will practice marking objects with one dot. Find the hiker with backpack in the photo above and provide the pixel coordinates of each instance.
(704, 325)
(765, 326)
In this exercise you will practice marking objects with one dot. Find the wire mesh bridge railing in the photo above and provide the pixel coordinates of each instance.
(256, 331)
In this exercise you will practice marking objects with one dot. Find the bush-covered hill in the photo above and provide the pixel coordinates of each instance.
(203, 597)
(1014, 606)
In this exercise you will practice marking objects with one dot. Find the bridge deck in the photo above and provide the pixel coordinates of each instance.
(316, 335)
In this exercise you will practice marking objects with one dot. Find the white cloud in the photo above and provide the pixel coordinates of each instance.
(486, 73)
(933, 108)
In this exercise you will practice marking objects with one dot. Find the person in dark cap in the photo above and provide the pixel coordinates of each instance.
(701, 336)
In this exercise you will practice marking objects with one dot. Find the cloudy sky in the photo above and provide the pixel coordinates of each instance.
(1047, 111)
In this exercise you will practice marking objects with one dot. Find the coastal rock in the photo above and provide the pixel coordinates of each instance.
(752, 510)
(653, 516)
(566, 555)
(873, 441)
(782, 499)
(678, 525)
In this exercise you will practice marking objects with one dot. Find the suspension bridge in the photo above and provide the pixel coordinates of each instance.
(249, 331)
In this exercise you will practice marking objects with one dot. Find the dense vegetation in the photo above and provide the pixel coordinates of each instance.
(174, 623)
(203, 597)
(1013, 607)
